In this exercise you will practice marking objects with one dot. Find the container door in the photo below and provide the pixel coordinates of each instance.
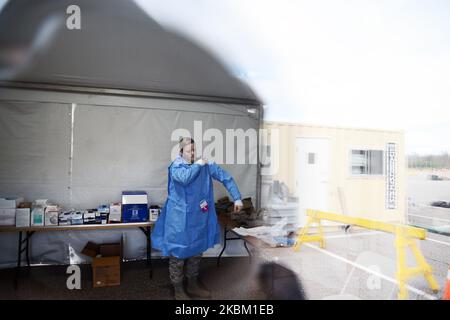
(313, 175)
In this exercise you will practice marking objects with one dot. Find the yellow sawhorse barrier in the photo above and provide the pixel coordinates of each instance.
(405, 237)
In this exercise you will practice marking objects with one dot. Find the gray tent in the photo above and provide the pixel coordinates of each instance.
(86, 114)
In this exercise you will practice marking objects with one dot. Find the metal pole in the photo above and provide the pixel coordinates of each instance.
(19, 258)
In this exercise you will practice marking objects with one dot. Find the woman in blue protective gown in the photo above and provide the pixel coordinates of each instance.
(187, 225)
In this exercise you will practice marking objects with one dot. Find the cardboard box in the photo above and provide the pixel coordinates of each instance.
(10, 202)
(91, 249)
(89, 216)
(7, 217)
(134, 213)
(224, 205)
(115, 212)
(70, 218)
(51, 218)
(76, 221)
(247, 205)
(103, 209)
(225, 199)
(63, 218)
(23, 217)
(106, 271)
(76, 215)
(51, 215)
(25, 205)
(106, 262)
(51, 207)
(101, 218)
(154, 213)
(111, 249)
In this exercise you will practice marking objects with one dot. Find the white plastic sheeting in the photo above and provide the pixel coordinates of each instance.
(113, 144)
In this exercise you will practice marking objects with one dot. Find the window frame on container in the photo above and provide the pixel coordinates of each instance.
(367, 173)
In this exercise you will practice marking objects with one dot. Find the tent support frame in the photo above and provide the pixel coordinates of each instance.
(127, 92)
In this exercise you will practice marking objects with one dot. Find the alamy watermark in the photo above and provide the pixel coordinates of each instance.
(74, 280)
(235, 146)
(73, 21)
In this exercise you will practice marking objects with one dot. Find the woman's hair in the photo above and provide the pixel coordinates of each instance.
(184, 141)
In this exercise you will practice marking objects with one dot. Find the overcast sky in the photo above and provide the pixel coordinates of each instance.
(362, 63)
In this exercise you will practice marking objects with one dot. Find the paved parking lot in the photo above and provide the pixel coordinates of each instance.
(361, 265)
(432, 218)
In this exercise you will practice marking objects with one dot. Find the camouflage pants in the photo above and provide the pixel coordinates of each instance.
(176, 268)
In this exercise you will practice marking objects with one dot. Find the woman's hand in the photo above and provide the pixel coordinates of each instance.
(238, 205)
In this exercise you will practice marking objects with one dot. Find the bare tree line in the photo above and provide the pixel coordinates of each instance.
(441, 161)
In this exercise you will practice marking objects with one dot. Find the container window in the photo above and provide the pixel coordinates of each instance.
(367, 162)
(311, 158)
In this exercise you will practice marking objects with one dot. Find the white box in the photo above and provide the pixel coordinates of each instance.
(64, 217)
(41, 203)
(37, 216)
(89, 214)
(10, 202)
(115, 212)
(76, 215)
(7, 217)
(134, 197)
(51, 218)
(153, 214)
(51, 214)
(103, 209)
(23, 217)
(51, 207)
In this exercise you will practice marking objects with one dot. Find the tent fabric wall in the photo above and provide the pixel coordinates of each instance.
(124, 148)
(118, 46)
(123, 71)
(117, 143)
(34, 144)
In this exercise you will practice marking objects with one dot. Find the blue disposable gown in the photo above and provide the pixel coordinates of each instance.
(183, 230)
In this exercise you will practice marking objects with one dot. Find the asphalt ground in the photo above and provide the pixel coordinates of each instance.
(361, 265)
(356, 265)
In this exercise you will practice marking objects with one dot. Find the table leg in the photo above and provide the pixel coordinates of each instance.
(19, 258)
(28, 248)
(149, 250)
(224, 244)
(148, 231)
